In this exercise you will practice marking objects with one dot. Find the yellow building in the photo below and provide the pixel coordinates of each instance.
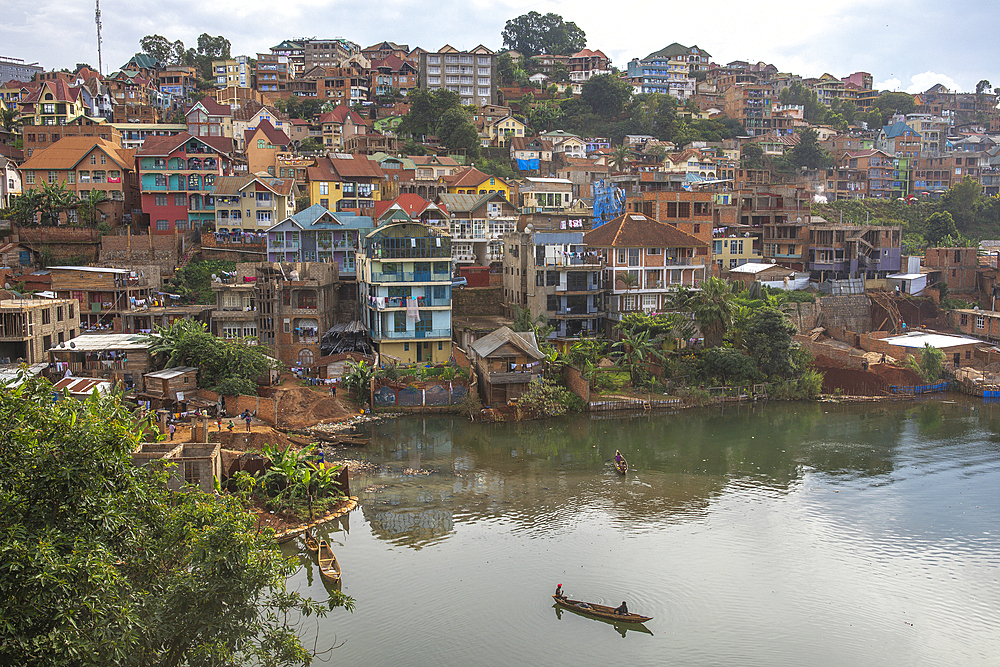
(502, 131)
(54, 102)
(735, 250)
(471, 181)
(342, 182)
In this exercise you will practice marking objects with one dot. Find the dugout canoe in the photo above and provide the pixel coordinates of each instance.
(312, 546)
(599, 611)
(329, 567)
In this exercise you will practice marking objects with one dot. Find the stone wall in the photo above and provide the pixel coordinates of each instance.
(802, 315)
(852, 311)
(63, 243)
(838, 352)
(477, 301)
(577, 383)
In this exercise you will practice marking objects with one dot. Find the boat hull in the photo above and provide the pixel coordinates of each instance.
(599, 611)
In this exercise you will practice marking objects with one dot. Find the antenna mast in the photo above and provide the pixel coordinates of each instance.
(97, 19)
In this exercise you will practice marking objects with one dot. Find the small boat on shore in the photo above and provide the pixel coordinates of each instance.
(621, 465)
(599, 611)
(312, 546)
(329, 567)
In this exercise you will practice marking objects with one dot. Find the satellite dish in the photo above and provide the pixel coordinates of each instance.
(214, 276)
(72, 344)
(529, 227)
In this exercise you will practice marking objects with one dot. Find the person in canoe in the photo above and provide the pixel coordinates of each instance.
(559, 593)
(622, 610)
(619, 459)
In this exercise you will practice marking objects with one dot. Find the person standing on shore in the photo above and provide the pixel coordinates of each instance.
(171, 428)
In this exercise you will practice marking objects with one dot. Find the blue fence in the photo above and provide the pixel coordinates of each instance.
(920, 389)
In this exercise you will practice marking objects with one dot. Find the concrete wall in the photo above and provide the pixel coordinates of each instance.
(852, 312)
(436, 393)
(802, 315)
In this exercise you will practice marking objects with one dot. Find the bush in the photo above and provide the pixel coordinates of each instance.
(694, 396)
(544, 398)
(807, 386)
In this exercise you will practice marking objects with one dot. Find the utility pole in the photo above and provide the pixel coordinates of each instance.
(97, 19)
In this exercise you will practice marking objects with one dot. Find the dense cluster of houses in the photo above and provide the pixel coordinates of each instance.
(338, 230)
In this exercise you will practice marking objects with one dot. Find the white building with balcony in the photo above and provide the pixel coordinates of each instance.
(478, 223)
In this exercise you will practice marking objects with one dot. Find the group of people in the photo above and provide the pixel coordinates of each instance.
(246, 416)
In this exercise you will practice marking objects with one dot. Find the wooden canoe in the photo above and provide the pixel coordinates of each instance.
(599, 611)
(312, 546)
(329, 568)
(621, 466)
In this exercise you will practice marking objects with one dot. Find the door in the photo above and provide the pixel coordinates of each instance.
(420, 351)
(958, 359)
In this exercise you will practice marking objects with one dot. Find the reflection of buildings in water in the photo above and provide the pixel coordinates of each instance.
(414, 528)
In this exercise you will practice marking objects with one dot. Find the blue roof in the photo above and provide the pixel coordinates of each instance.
(319, 217)
(898, 129)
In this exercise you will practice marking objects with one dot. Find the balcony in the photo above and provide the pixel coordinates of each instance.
(411, 335)
(409, 277)
(516, 377)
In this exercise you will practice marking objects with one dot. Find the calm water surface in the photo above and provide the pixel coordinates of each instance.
(781, 534)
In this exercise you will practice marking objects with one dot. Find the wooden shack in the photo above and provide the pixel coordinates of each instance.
(117, 357)
(506, 362)
(170, 382)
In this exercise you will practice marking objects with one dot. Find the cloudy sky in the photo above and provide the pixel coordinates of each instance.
(905, 44)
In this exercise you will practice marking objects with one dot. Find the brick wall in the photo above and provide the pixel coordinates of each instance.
(477, 301)
(802, 315)
(576, 383)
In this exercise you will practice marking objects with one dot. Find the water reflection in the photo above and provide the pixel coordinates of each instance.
(620, 628)
(436, 472)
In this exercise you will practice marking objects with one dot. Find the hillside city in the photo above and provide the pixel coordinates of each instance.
(321, 199)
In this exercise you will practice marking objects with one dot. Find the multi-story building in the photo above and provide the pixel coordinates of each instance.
(691, 212)
(862, 174)
(546, 195)
(837, 251)
(30, 327)
(471, 181)
(552, 273)
(731, 249)
(109, 299)
(586, 63)
(88, 164)
(251, 114)
(177, 176)
(501, 131)
(251, 203)
(133, 135)
(958, 267)
(668, 71)
(933, 175)
(18, 70)
(339, 125)
(328, 52)
(271, 74)
(178, 81)
(263, 145)
(294, 51)
(643, 261)
(933, 132)
(391, 74)
(478, 224)
(342, 182)
(404, 291)
(751, 105)
(39, 137)
(53, 102)
(208, 118)
(319, 235)
(235, 72)
(10, 181)
(383, 50)
(470, 74)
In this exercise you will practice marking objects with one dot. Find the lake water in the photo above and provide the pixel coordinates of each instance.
(777, 534)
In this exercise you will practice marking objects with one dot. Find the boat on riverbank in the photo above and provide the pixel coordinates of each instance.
(599, 611)
(312, 546)
(329, 567)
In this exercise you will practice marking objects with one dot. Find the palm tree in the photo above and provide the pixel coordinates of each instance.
(523, 321)
(88, 206)
(620, 157)
(629, 280)
(637, 349)
(168, 342)
(713, 308)
(10, 119)
(359, 378)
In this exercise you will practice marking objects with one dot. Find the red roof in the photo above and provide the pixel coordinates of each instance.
(163, 146)
(212, 107)
(275, 136)
(341, 114)
(634, 230)
(466, 178)
(60, 90)
(412, 204)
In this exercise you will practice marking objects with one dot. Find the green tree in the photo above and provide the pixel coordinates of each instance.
(752, 156)
(619, 159)
(102, 565)
(963, 201)
(358, 379)
(727, 366)
(768, 341)
(88, 209)
(891, 103)
(931, 363)
(427, 108)
(193, 281)
(607, 95)
(939, 226)
(525, 321)
(10, 119)
(157, 46)
(532, 34)
(713, 309)
(808, 153)
(457, 132)
(637, 349)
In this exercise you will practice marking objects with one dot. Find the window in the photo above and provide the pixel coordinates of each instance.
(180, 199)
(552, 302)
(46, 316)
(633, 256)
(324, 188)
(399, 321)
(70, 317)
(59, 314)
(263, 217)
(162, 225)
(53, 177)
(552, 278)
(287, 325)
(70, 178)
(980, 322)
(653, 251)
(261, 144)
(93, 159)
(30, 177)
(620, 257)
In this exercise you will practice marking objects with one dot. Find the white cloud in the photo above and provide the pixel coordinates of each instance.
(921, 82)
(888, 84)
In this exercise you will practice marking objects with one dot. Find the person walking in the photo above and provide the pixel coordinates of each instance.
(248, 418)
(171, 428)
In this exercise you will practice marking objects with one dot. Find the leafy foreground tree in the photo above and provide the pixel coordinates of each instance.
(101, 565)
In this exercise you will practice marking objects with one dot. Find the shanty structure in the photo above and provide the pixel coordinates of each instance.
(506, 361)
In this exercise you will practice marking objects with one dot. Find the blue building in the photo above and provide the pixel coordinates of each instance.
(319, 235)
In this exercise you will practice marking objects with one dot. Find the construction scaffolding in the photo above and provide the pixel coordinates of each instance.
(887, 301)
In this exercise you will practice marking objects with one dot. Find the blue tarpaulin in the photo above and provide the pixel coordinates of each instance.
(527, 165)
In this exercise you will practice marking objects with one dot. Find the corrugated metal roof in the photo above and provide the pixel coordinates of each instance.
(169, 373)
